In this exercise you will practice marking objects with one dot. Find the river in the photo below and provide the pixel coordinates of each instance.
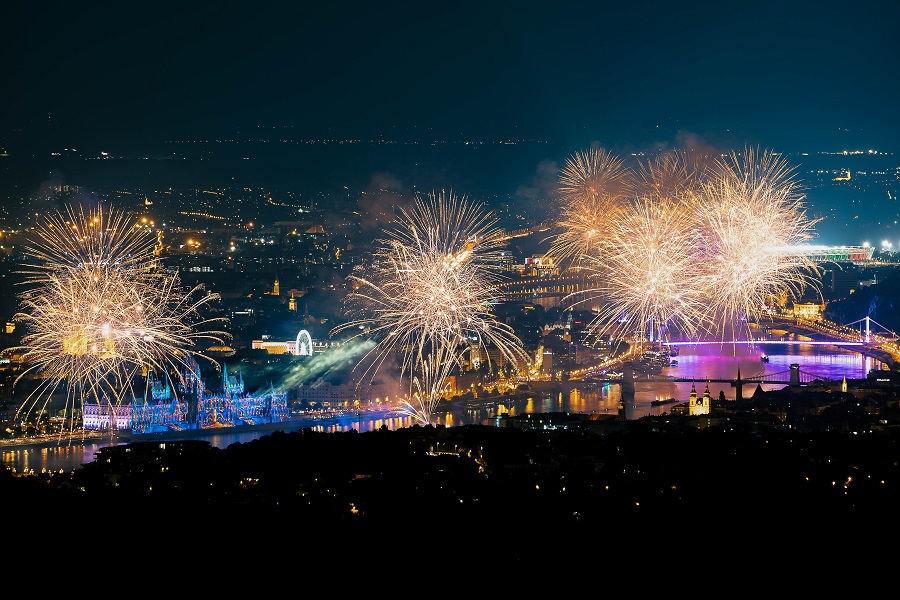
(700, 363)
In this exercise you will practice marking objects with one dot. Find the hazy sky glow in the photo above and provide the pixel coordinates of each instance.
(790, 75)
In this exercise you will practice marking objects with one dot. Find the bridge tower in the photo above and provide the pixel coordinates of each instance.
(795, 375)
(627, 385)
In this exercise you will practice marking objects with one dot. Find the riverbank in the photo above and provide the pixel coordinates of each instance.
(700, 364)
(817, 332)
(111, 438)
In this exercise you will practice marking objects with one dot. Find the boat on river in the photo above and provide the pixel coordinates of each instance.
(662, 401)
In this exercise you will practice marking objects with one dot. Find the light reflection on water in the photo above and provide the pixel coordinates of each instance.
(700, 364)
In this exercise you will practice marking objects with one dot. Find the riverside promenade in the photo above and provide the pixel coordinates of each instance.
(107, 437)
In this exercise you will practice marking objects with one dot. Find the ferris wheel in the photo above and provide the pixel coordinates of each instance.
(304, 343)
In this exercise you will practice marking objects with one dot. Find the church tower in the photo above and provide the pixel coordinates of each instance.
(699, 406)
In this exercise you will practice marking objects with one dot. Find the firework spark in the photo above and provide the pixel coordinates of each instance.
(680, 175)
(426, 296)
(100, 311)
(645, 274)
(753, 218)
(592, 185)
(698, 244)
(649, 283)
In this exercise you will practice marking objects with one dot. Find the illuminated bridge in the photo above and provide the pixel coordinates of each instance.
(793, 377)
(564, 285)
(862, 333)
(866, 340)
(530, 288)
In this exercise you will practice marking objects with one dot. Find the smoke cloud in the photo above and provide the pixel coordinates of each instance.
(326, 364)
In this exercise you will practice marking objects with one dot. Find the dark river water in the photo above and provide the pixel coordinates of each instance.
(698, 364)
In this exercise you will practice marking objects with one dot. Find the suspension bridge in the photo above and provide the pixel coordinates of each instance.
(864, 332)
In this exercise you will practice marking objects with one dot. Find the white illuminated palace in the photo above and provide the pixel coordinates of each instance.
(302, 345)
(106, 416)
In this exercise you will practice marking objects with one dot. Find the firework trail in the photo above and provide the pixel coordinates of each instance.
(680, 175)
(426, 296)
(592, 184)
(100, 312)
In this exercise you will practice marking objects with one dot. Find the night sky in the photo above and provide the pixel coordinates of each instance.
(786, 75)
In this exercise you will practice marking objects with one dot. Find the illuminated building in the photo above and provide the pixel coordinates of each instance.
(324, 394)
(539, 265)
(699, 405)
(809, 311)
(193, 408)
(107, 416)
(837, 253)
(276, 289)
(302, 345)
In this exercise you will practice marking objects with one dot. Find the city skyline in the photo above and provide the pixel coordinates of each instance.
(852, 195)
(215, 110)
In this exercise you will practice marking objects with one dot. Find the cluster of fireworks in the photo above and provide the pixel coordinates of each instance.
(686, 241)
(426, 296)
(100, 312)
